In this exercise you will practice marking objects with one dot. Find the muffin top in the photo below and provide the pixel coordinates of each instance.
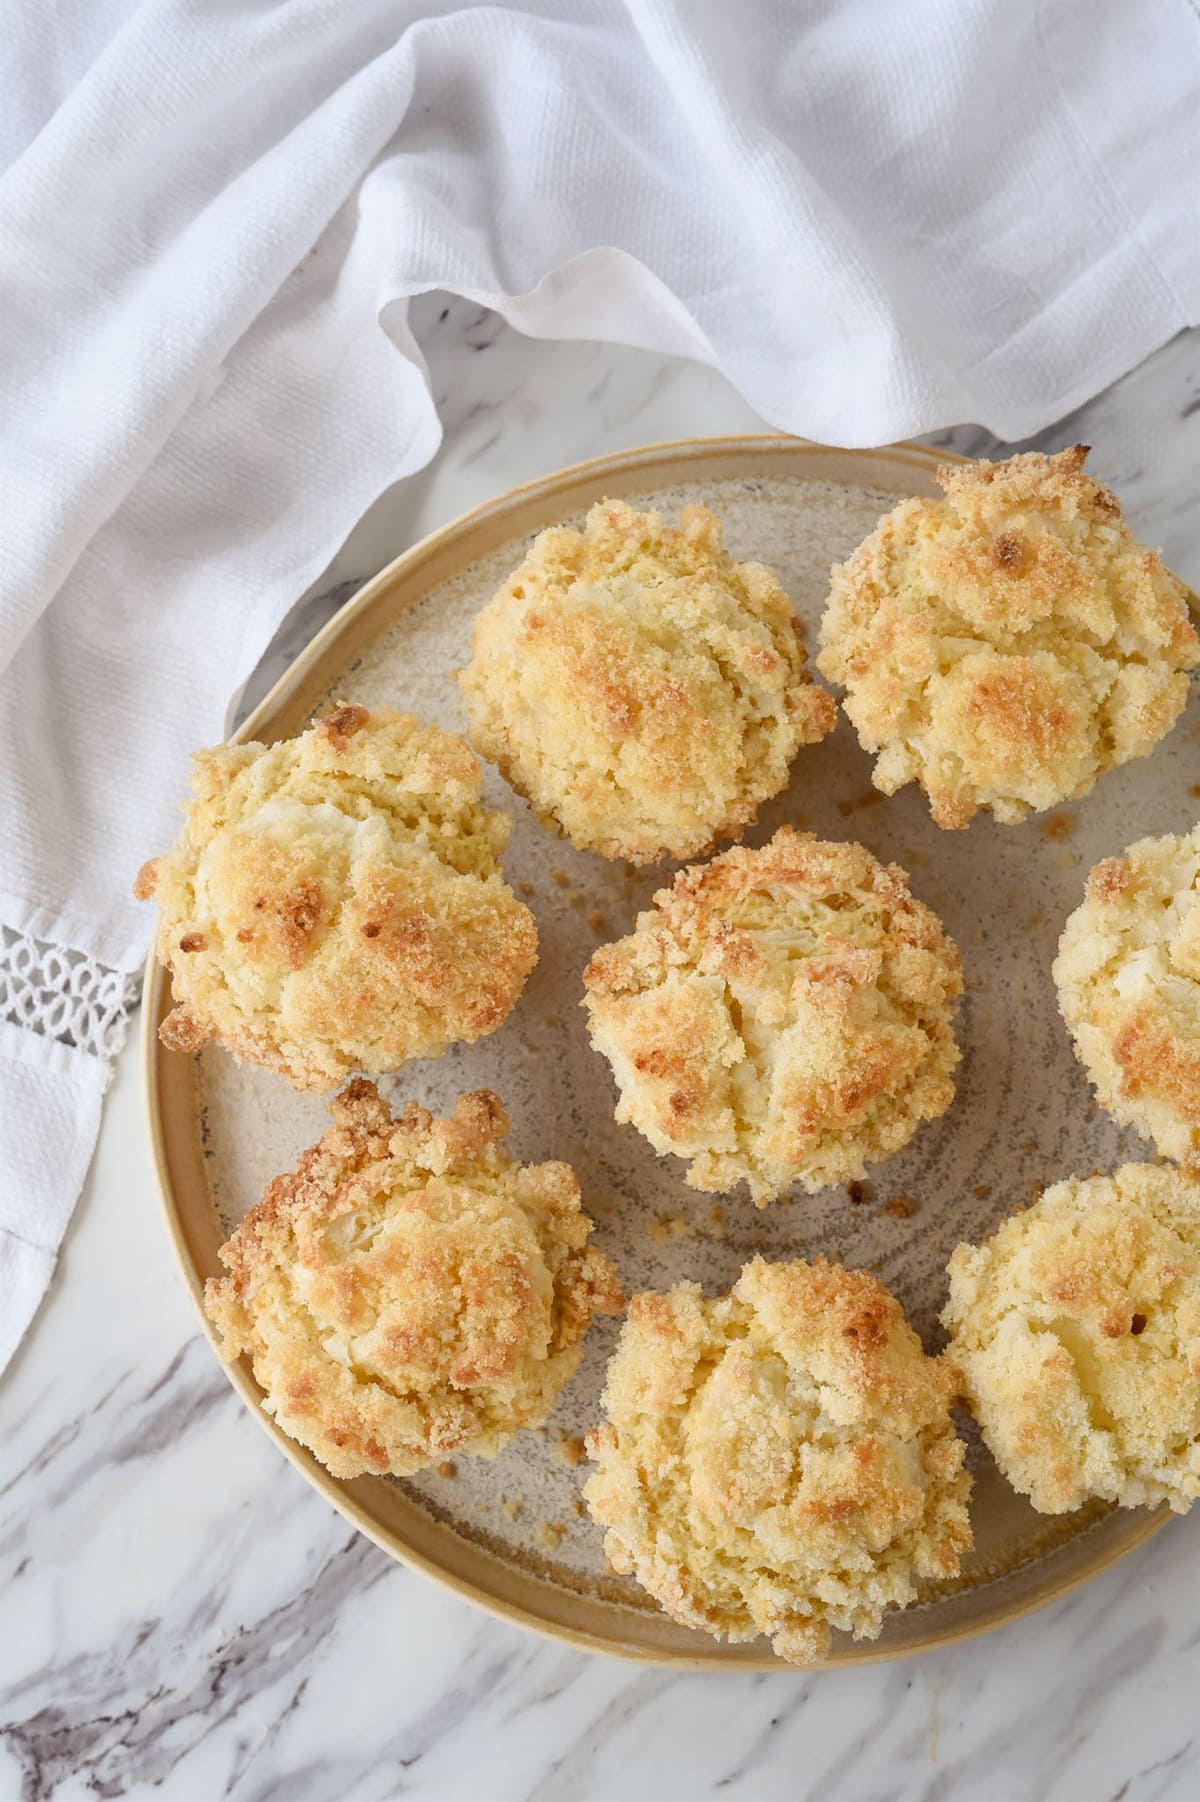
(407, 1291)
(780, 1460)
(334, 902)
(1128, 976)
(779, 1016)
(643, 691)
(1076, 1328)
(1005, 646)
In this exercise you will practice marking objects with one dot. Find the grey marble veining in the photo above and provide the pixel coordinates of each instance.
(181, 1617)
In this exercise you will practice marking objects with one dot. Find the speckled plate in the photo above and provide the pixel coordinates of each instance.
(512, 1535)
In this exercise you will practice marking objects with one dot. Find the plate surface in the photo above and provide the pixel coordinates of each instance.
(512, 1535)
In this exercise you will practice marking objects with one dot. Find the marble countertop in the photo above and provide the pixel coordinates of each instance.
(180, 1615)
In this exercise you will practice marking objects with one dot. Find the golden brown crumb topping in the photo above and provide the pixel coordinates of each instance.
(779, 1460)
(644, 691)
(779, 1016)
(1076, 1328)
(335, 903)
(1128, 976)
(1005, 646)
(407, 1291)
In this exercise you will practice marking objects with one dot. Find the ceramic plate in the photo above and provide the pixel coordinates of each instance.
(512, 1534)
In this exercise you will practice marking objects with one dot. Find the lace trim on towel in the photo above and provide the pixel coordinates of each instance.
(63, 994)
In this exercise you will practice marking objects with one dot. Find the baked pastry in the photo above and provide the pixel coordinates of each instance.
(780, 1460)
(407, 1291)
(334, 902)
(643, 691)
(779, 1016)
(1076, 1328)
(1005, 646)
(1128, 976)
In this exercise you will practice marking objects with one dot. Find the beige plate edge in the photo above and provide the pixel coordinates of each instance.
(666, 463)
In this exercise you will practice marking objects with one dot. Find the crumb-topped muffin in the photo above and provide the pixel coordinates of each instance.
(1007, 645)
(779, 1016)
(407, 1291)
(1128, 976)
(641, 689)
(1076, 1328)
(334, 902)
(779, 1460)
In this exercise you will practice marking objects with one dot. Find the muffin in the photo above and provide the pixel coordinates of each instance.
(1128, 976)
(779, 1016)
(1076, 1329)
(780, 1460)
(643, 691)
(1005, 646)
(334, 902)
(407, 1291)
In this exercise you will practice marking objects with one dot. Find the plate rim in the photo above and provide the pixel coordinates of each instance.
(714, 1658)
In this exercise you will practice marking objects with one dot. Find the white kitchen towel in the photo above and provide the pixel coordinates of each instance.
(877, 219)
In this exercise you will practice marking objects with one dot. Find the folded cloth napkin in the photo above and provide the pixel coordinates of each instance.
(877, 220)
